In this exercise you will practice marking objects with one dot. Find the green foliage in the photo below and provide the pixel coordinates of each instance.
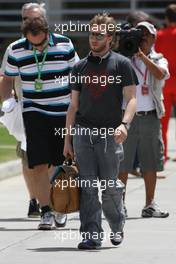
(7, 154)
(7, 145)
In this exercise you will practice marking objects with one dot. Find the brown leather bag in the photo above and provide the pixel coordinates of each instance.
(65, 192)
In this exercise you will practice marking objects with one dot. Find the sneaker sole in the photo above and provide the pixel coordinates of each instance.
(146, 216)
(46, 227)
(33, 216)
(60, 225)
(154, 216)
(86, 247)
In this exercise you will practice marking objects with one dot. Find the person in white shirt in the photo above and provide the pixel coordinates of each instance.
(144, 135)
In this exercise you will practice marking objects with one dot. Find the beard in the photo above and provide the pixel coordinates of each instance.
(98, 48)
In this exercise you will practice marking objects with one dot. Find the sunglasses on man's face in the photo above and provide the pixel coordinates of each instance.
(98, 36)
(28, 17)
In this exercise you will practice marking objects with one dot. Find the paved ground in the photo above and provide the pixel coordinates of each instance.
(149, 241)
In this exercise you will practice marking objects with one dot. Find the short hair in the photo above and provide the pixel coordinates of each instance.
(171, 13)
(30, 6)
(34, 26)
(106, 20)
(137, 16)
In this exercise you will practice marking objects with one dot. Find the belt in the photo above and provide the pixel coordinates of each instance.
(145, 113)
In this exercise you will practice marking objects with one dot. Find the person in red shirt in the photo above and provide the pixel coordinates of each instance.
(166, 39)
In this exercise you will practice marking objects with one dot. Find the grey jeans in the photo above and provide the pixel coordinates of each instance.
(98, 160)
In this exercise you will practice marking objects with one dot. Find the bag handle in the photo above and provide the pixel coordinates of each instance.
(69, 161)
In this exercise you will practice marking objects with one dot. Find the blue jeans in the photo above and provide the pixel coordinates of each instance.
(98, 161)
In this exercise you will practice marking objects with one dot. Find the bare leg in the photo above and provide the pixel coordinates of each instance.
(150, 184)
(29, 180)
(42, 185)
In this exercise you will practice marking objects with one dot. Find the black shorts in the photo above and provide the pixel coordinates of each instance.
(44, 145)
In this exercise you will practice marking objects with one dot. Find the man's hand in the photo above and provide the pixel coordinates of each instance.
(8, 105)
(139, 54)
(68, 150)
(158, 72)
(120, 134)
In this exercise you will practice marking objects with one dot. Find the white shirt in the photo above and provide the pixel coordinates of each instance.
(144, 102)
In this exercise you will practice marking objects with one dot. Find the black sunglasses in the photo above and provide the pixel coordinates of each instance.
(27, 17)
(98, 36)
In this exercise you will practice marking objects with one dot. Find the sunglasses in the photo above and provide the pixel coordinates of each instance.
(27, 17)
(98, 36)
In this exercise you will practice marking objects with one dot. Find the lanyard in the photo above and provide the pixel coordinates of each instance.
(40, 67)
(144, 75)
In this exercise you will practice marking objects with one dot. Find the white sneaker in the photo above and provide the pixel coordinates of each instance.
(153, 210)
(47, 221)
(60, 219)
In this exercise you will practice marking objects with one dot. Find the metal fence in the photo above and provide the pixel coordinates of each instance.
(61, 11)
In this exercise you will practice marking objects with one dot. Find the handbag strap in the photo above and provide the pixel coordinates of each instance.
(69, 161)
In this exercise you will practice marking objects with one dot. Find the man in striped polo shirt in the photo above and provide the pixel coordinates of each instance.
(41, 59)
(28, 10)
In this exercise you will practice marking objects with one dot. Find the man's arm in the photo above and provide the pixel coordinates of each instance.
(6, 86)
(158, 72)
(3, 90)
(6, 82)
(129, 93)
(70, 120)
(8, 101)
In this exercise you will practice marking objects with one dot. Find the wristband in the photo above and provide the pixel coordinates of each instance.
(126, 125)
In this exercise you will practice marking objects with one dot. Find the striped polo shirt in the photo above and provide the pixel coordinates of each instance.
(54, 97)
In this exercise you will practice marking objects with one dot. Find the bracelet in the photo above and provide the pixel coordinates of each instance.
(126, 125)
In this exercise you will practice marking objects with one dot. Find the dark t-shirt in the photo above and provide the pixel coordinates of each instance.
(101, 86)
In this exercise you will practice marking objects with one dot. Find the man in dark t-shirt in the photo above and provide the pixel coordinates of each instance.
(101, 89)
(99, 84)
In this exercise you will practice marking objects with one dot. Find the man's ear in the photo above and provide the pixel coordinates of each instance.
(110, 38)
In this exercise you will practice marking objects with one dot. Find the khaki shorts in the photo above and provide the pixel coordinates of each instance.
(22, 154)
(145, 139)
